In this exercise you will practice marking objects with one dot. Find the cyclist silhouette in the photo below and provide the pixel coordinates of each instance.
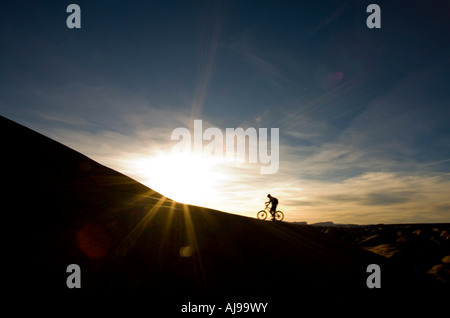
(276, 215)
(274, 202)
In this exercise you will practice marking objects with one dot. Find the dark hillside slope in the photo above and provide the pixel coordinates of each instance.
(63, 208)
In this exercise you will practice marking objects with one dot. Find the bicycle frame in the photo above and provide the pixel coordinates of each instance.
(267, 211)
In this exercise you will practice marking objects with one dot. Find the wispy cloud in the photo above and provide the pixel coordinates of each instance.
(264, 67)
(385, 162)
(354, 178)
(329, 19)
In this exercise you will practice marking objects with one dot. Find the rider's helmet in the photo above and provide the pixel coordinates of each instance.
(269, 195)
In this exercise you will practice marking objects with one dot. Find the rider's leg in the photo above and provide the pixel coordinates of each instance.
(272, 212)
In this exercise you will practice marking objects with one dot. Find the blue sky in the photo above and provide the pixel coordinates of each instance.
(363, 114)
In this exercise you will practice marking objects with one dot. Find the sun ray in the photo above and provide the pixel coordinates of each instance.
(128, 242)
(213, 28)
(192, 250)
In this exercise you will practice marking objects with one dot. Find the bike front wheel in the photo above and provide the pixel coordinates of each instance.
(279, 216)
(262, 215)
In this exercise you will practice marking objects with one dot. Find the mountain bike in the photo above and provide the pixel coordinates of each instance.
(262, 215)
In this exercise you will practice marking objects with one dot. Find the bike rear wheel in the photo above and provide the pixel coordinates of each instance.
(262, 215)
(279, 216)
